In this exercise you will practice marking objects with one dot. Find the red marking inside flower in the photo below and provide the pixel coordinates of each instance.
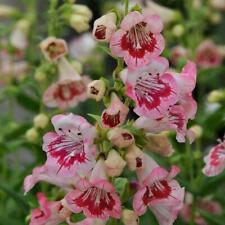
(127, 136)
(100, 32)
(111, 120)
(177, 118)
(217, 154)
(138, 40)
(39, 214)
(67, 91)
(96, 201)
(55, 49)
(67, 151)
(149, 90)
(158, 190)
(139, 162)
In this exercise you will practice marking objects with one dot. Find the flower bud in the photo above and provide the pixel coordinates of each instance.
(41, 121)
(129, 217)
(178, 30)
(31, 134)
(114, 164)
(18, 37)
(53, 48)
(160, 144)
(82, 10)
(120, 137)
(104, 27)
(197, 130)
(6, 11)
(218, 4)
(79, 23)
(39, 76)
(215, 18)
(134, 158)
(96, 90)
(216, 96)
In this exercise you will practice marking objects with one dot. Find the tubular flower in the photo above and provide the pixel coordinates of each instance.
(69, 90)
(151, 88)
(97, 197)
(215, 160)
(160, 192)
(96, 89)
(138, 39)
(70, 148)
(53, 48)
(115, 114)
(104, 27)
(49, 213)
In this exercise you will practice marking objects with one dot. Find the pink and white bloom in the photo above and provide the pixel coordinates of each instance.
(152, 89)
(138, 39)
(115, 114)
(160, 193)
(70, 147)
(88, 221)
(49, 213)
(215, 160)
(174, 119)
(104, 27)
(69, 90)
(97, 198)
(208, 55)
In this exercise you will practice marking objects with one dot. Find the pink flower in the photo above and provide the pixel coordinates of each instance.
(209, 206)
(160, 192)
(115, 114)
(49, 213)
(174, 119)
(138, 39)
(151, 88)
(178, 52)
(69, 90)
(97, 197)
(215, 160)
(88, 221)
(70, 147)
(208, 55)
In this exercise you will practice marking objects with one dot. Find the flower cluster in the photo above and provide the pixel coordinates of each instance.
(87, 161)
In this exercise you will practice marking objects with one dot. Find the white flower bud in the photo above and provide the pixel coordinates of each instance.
(216, 96)
(178, 30)
(53, 48)
(104, 27)
(41, 121)
(114, 164)
(31, 134)
(79, 23)
(6, 11)
(129, 217)
(96, 89)
(134, 158)
(197, 130)
(82, 10)
(120, 137)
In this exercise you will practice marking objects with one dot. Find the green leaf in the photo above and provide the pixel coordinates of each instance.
(122, 188)
(212, 219)
(95, 117)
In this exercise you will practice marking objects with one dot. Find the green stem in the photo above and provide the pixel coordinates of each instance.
(52, 18)
(126, 2)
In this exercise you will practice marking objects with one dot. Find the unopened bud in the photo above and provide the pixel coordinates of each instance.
(96, 89)
(31, 134)
(104, 27)
(178, 30)
(41, 121)
(215, 18)
(6, 11)
(197, 130)
(40, 76)
(129, 217)
(114, 164)
(120, 137)
(134, 158)
(216, 96)
(53, 48)
(79, 23)
(82, 10)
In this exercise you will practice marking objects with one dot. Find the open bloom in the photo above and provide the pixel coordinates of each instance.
(88, 221)
(160, 192)
(138, 39)
(69, 90)
(97, 197)
(104, 27)
(49, 213)
(208, 55)
(151, 88)
(115, 114)
(70, 147)
(215, 160)
(53, 48)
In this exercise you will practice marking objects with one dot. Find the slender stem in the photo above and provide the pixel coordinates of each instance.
(126, 3)
(52, 18)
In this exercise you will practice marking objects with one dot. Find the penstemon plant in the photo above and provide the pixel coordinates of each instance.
(136, 161)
